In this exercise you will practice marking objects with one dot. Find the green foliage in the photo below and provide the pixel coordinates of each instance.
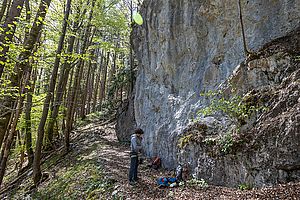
(197, 182)
(121, 79)
(192, 134)
(210, 141)
(36, 113)
(108, 108)
(110, 28)
(6, 90)
(183, 141)
(245, 186)
(92, 117)
(84, 180)
(235, 107)
(226, 143)
(97, 186)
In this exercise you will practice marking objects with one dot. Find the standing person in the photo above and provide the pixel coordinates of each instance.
(135, 149)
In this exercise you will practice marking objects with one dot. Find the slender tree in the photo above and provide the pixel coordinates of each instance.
(39, 142)
(104, 79)
(28, 133)
(91, 87)
(77, 78)
(8, 8)
(61, 87)
(85, 92)
(96, 87)
(64, 75)
(13, 128)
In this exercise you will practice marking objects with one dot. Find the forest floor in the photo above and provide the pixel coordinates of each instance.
(97, 168)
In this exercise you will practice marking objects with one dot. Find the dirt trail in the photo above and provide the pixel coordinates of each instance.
(114, 157)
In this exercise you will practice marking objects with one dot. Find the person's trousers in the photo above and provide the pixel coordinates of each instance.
(133, 168)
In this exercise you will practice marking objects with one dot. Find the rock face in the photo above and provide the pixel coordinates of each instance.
(185, 47)
(266, 150)
(125, 120)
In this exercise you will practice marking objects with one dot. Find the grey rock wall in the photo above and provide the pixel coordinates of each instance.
(188, 46)
(265, 152)
(125, 125)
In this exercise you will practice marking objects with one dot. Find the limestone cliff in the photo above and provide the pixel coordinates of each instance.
(186, 47)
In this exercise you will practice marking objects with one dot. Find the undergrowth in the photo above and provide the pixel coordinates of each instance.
(82, 181)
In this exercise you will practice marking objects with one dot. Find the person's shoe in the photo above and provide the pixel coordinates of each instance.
(132, 183)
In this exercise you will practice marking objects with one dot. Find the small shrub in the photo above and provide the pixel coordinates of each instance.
(210, 141)
(245, 186)
(236, 107)
(226, 143)
(197, 182)
(193, 133)
(183, 141)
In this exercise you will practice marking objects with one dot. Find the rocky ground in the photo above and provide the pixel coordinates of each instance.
(97, 168)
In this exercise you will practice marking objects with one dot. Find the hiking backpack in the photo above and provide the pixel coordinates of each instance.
(165, 181)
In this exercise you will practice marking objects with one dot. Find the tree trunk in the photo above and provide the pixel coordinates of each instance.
(113, 75)
(28, 135)
(39, 142)
(4, 121)
(91, 89)
(97, 83)
(74, 91)
(9, 31)
(71, 106)
(103, 80)
(8, 8)
(12, 131)
(3, 8)
(131, 54)
(62, 83)
(19, 164)
(10, 27)
(85, 93)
